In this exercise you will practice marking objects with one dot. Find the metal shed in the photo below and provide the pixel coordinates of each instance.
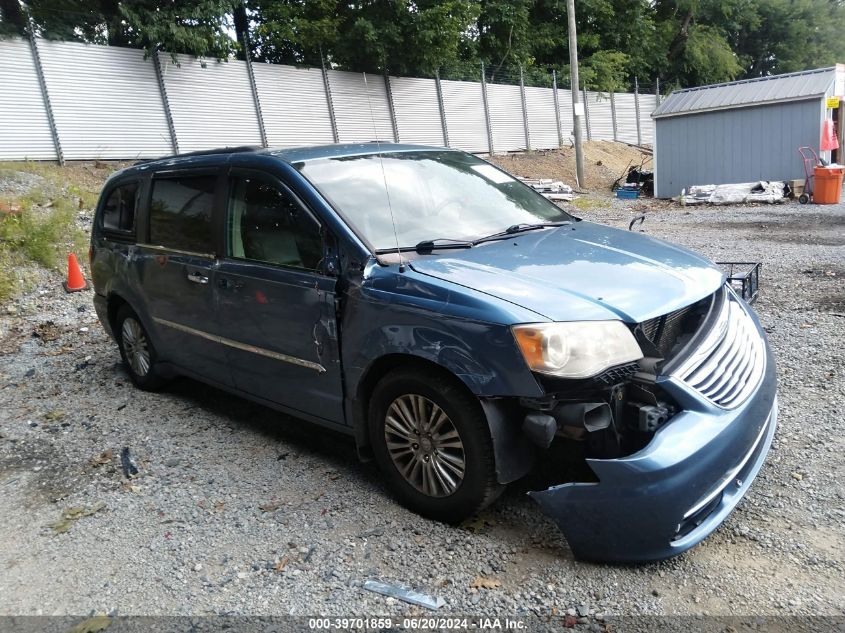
(743, 131)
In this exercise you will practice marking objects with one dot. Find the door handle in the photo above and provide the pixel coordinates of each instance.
(197, 278)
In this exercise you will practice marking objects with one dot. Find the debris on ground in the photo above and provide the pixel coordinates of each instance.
(376, 531)
(72, 515)
(769, 191)
(604, 161)
(477, 524)
(403, 593)
(270, 506)
(639, 218)
(643, 178)
(129, 468)
(549, 188)
(102, 459)
(635, 178)
(482, 582)
(280, 565)
(9, 208)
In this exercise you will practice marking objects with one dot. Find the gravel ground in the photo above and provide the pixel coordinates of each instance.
(240, 510)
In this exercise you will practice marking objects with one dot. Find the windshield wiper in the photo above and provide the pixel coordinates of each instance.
(426, 246)
(519, 228)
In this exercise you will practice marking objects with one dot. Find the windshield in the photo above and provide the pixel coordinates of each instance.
(445, 195)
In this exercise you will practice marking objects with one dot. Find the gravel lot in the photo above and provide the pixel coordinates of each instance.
(240, 510)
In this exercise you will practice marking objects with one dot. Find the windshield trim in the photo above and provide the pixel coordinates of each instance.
(300, 166)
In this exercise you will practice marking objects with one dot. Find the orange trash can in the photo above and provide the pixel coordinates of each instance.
(827, 184)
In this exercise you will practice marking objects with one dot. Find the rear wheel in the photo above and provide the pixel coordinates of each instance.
(137, 350)
(431, 440)
(803, 198)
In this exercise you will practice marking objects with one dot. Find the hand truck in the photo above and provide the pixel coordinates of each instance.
(810, 159)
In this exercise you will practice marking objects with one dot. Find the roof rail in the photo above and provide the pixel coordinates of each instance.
(205, 152)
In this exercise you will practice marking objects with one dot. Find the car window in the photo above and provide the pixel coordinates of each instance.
(409, 197)
(267, 224)
(180, 213)
(119, 209)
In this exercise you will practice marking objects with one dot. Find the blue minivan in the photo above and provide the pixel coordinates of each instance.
(457, 324)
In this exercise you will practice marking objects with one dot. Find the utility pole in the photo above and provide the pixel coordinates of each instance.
(577, 106)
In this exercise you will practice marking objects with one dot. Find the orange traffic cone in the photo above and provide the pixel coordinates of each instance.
(75, 281)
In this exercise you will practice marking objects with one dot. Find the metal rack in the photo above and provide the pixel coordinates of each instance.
(744, 278)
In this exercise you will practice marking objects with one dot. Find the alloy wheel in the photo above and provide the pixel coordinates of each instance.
(135, 346)
(425, 445)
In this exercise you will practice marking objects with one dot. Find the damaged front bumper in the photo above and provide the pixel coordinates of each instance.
(673, 493)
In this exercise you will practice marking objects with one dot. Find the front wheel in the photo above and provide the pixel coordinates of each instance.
(137, 351)
(803, 198)
(432, 442)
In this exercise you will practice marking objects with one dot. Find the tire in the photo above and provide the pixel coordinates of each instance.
(803, 198)
(137, 351)
(452, 429)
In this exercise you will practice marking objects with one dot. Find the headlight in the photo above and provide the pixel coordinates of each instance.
(576, 349)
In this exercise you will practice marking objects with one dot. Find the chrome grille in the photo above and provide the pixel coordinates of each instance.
(729, 364)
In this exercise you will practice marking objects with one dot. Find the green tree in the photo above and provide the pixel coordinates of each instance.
(606, 71)
(683, 42)
(399, 36)
(779, 36)
(98, 21)
(617, 40)
(197, 27)
(504, 34)
(697, 49)
(293, 32)
(12, 18)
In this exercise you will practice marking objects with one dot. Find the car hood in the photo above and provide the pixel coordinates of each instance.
(584, 271)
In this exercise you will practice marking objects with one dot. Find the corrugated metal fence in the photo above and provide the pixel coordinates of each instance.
(69, 101)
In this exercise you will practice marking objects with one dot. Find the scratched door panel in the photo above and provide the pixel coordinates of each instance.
(178, 292)
(282, 335)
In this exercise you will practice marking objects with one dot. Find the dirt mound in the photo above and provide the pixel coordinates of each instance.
(604, 162)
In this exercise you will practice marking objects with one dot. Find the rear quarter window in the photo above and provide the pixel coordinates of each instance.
(181, 211)
(119, 208)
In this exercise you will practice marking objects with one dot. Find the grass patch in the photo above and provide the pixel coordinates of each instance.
(36, 235)
(41, 235)
(8, 280)
(42, 229)
(10, 169)
(587, 204)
